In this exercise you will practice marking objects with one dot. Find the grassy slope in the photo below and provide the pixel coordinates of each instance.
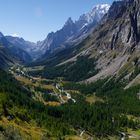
(29, 121)
(22, 129)
(12, 123)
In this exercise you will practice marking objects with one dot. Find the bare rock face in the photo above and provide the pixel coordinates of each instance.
(116, 38)
(113, 41)
(118, 34)
(73, 31)
(120, 28)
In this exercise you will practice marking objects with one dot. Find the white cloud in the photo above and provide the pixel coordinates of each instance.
(15, 35)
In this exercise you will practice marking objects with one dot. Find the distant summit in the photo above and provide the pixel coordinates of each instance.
(70, 33)
(73, 30)
(95, 14)
(69, 21)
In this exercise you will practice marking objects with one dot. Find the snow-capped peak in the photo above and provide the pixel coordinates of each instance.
(75, 30)
(102, 8)
(96, 13)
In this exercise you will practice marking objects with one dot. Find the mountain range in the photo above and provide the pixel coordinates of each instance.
(11, 54)
(81, 82)
(108, 34)
(114, 44)
(74, 31)
(71, 33)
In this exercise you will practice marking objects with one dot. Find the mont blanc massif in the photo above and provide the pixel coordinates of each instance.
(81, 82)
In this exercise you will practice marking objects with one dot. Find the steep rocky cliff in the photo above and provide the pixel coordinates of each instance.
(115, 42)
(73, 31)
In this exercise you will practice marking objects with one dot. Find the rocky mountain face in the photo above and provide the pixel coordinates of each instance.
(10, 54)
(56, 39)
(5, 58)
(19, 50)
(3, 40)
(29, 47)
(89, 20)
(114, 43)
(72, 31)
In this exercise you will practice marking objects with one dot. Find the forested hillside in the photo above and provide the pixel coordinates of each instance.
(82, 89)
(82, 69)
(113, 111)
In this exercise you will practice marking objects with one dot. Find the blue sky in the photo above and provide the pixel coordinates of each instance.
(34, 19)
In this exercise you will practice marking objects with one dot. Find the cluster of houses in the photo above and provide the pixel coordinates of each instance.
(19, 72)
(61, 90)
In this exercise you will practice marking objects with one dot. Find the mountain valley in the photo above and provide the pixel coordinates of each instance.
(81, 83)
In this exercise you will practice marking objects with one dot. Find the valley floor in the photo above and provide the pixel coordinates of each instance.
(75, 102)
